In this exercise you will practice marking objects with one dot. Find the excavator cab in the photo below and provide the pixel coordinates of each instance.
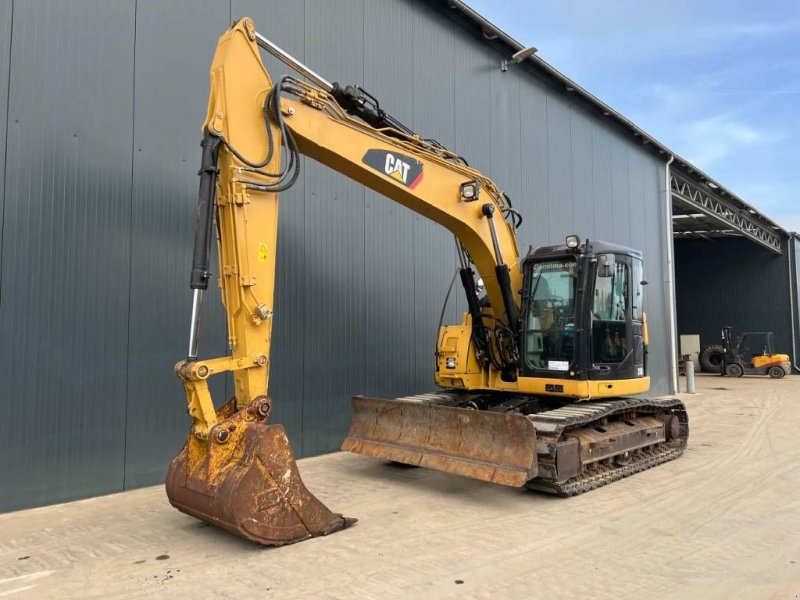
(582, 330)
(582, 313)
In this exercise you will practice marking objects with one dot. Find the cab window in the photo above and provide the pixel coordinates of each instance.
(637, 301)
(609, 310)
(550, 319)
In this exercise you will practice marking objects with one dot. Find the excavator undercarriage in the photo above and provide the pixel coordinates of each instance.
(544, 444)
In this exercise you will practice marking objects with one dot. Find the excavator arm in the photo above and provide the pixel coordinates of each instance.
(237, 471)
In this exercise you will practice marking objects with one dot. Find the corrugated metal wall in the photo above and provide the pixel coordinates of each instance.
(732, 281)
(66, 250)
(795, 242)
(104, 104)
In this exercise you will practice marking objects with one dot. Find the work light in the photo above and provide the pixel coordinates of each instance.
(470, 191)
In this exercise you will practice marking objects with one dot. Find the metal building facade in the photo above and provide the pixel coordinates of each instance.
(100, 105)
(731, 281)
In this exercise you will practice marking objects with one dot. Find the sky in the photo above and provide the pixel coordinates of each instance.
(716, 81)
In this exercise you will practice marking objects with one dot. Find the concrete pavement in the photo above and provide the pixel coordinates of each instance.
(720, 522)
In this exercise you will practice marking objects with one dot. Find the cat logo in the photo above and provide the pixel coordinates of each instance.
(402, 168)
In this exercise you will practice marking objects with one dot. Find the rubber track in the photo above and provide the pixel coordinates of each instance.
(552, 424)
(595, 478)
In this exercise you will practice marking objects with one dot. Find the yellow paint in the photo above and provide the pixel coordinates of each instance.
(247, 222)
(769, 360)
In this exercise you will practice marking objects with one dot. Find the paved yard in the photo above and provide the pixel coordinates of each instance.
(721, 522)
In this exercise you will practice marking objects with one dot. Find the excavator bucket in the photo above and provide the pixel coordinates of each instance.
(246, 481)
(492, 446)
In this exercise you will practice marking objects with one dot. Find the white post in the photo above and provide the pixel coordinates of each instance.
(688, 366)
(669, 280)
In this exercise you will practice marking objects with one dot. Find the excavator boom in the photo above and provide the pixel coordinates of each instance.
(522, 355)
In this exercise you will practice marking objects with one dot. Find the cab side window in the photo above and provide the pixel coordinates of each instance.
(637, 301)
(609, 309)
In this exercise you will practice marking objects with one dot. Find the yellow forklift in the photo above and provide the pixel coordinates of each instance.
(752, 353)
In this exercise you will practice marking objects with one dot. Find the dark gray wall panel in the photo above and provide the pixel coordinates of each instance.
(582, 176)
(472, 93)
(390, 309)
(532, 201)
(747, 285)
(602, 189)
(621, 226)
(638, 196)
(65, 251)
(559, 163)
(174, 46)
(434, 258)
(505, 134)
(6, 17)
(334, 245)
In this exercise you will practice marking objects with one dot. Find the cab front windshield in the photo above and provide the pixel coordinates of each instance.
(550, 318)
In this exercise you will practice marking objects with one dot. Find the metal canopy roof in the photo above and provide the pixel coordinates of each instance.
(720, 211)
(697, 211)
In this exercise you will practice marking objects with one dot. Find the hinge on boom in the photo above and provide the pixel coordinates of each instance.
(263, 312)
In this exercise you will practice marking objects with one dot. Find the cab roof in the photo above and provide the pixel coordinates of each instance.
(587, 248)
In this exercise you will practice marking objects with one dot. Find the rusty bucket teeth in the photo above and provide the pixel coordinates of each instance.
(246, 481)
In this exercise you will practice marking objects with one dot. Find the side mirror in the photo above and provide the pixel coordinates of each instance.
(643, 282)
(606, 266)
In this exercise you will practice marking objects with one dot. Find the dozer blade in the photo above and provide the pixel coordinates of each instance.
(492, 446)
(248, 484)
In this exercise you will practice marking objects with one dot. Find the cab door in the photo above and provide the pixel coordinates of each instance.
(617, 346)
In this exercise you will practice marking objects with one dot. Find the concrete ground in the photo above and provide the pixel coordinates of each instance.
(721, 522)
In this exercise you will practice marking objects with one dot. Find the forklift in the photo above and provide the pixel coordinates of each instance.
(752, 353)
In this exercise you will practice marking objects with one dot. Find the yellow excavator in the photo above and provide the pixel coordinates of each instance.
(541, 382)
